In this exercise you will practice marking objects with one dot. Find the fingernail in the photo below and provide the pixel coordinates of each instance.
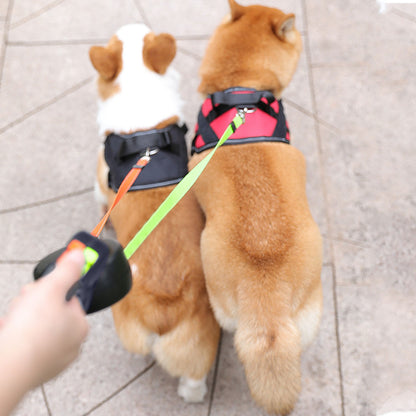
(76, 256)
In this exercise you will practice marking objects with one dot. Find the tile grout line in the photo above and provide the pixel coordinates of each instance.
(56, 42)
(327, 211)
(45, 105)
(142, 13)
(18, 262)
(214, 382)
(5, 39)
(47, 201)
(45, 398)
(404, 15)
(118, 391)
(37, 13)
(309, 114)
(190, 54)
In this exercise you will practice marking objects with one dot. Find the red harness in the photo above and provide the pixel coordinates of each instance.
(265, 120)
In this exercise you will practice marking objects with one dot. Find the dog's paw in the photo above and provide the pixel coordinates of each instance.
(192, 391)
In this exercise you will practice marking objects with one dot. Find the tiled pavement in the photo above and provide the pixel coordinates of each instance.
(352, 110)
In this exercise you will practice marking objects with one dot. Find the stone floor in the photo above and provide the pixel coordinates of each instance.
(352, 111)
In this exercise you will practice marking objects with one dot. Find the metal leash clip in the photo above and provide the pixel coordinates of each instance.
(151, 151)
(242, 111)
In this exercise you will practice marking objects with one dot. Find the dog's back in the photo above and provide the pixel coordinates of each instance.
(167, 311)
(261, 249)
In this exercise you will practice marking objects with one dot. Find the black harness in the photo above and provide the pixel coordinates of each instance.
(168, 163)
(265, 120)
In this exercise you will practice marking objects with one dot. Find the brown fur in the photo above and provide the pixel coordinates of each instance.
(108, 63)
(261, 249)
(168, 304)
(158, 51)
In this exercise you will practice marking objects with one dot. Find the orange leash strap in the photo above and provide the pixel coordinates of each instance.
(124, 187)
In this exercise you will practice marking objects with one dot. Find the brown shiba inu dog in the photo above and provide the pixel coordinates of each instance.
(261, 249)
(167, 311)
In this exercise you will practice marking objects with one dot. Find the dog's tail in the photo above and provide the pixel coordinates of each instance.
(268, 344)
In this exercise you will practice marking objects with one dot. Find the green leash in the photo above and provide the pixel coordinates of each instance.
(181, 189)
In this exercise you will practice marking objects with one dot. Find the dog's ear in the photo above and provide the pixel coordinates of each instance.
(104, 61)
(159, 51)
(284, 27)
(236, 10)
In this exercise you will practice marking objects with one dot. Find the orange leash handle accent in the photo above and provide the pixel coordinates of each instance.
(124, 187)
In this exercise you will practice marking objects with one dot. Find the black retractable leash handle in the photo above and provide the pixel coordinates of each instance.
(106, 277)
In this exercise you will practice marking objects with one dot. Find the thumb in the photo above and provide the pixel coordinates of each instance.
(68, 269)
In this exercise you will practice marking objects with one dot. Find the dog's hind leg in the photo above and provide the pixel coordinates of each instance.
(188, 351)
(133, 335)
(192, 391)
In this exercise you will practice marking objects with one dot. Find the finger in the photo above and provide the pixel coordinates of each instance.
(82, 324)
(27, 288)
(68, 269)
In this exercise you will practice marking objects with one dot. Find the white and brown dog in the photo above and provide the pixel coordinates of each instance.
(261, 248)
(167, 311)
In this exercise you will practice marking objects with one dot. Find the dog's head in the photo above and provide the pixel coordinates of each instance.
(255, 47)
(137, 88)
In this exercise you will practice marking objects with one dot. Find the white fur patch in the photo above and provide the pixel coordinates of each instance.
(192, 391)
(98, 195)
(225, 321)
(145, 97)
(307, 321)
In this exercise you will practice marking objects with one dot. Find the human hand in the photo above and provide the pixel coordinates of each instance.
(42, 331)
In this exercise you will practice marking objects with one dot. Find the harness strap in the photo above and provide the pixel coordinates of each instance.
(128, 144)
(232, 100)
(180, 190)
(124, 187)
(268, 123)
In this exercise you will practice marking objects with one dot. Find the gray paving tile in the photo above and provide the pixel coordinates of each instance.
(33, 76)
(187, 66)
(23, 10)
(371, 196)
(201, 17)
(321, 390)
(153, 394)
(32, 404)
(377, 314)
(302, 129)
(102, 368)
(51, 153)
(406, 10)
(299, 90)
(194, 48)
(4, 4)
(370, 98)
(12, 278)
(32, 233)
(2, 45)
(354, 32)
(77, 20)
